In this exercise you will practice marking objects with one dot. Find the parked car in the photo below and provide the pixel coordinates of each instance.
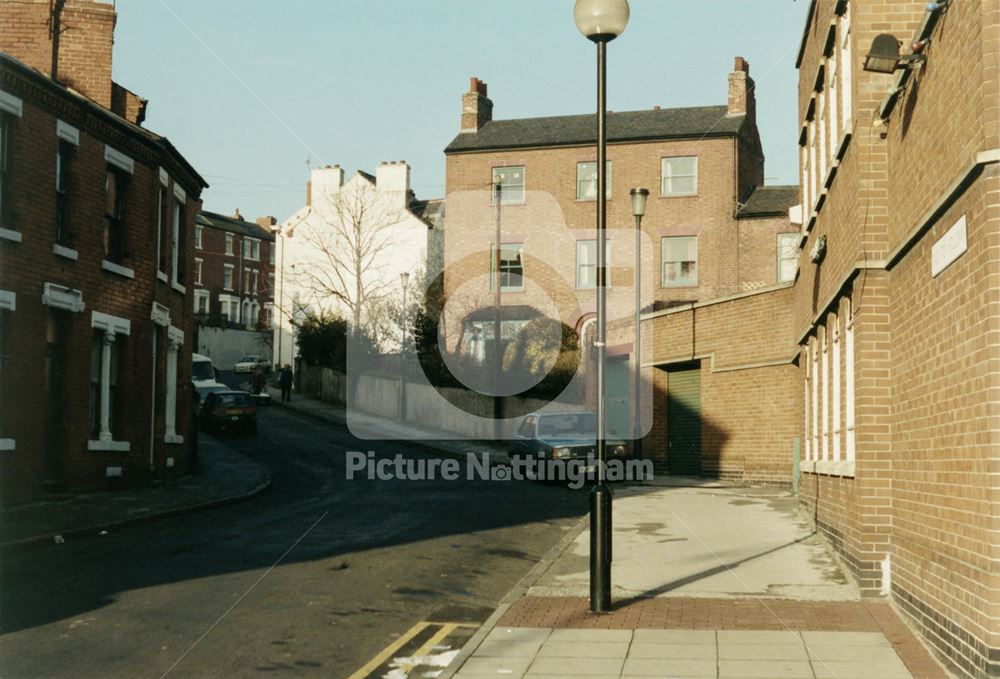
(561, 436)
(204, 376)
(248, 364)
(229, 411)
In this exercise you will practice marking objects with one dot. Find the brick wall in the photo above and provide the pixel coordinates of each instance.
(750, 399)
(28, 261)
(916, 517)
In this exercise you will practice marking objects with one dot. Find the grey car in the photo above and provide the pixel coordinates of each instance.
(561, 436)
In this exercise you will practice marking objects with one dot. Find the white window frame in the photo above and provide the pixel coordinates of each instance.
(198, 263)
(227, 272)
(179, 208)
(580, 166)
(198, 233)
(112, 327)
(665, 163)
(496, 276)
(834, 103)
(200, 295)
(834, 320)
(587, 246)
(161, 195)
(793, 244)
(230, 245)
(506, 198)
(685, 283)
(845, 70)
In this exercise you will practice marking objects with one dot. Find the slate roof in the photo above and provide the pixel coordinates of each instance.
(234, 225)
(431, 211)
(767, 201)
(625, 126)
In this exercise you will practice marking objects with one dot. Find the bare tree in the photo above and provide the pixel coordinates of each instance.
(350, 236)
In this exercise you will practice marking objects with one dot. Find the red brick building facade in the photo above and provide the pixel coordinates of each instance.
(96, 225)
(710, 230)
(234, 270)
(873, 379)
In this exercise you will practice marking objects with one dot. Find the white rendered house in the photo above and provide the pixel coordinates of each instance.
(345, 250)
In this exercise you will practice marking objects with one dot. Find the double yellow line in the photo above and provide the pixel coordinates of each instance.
(390, 651)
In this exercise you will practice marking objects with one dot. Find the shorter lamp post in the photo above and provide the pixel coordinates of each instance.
(404, 280)
(639, 197)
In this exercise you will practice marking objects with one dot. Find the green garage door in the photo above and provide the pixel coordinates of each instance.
(684, 420)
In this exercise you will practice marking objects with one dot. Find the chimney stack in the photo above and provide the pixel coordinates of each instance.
(477, 108)
(267, 223)
(741, 91)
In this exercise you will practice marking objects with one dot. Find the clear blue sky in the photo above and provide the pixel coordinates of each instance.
(249, 90)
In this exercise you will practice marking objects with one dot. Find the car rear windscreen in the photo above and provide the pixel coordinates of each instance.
(202, 370)
(233, 400)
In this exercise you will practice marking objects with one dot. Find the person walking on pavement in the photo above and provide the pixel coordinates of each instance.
(285, 382)
(257, 381)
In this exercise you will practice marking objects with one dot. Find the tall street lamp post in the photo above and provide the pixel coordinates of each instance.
(639, 197)
(601, 21)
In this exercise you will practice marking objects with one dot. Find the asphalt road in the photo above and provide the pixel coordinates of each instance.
(312, 578)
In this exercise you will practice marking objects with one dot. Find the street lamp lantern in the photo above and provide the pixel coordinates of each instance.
(639, 197)
(601, 21)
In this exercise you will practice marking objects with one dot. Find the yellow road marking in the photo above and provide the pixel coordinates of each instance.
(446, 629)
(389, 650)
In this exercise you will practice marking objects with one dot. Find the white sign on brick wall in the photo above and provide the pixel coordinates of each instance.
(949, 247)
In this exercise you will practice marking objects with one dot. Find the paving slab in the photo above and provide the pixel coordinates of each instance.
(706, 541)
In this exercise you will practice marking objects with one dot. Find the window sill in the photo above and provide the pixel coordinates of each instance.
(118, 269)
(7, 445)
(675, 286)
(179, 288)
(173, 438)
(679, 195)
(160, 276)
(12, 236)
(843, 468)
(63, 251)
(109, 446)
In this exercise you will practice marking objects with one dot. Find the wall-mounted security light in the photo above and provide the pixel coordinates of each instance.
(884, 57)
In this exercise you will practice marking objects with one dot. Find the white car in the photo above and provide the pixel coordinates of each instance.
(248, 364)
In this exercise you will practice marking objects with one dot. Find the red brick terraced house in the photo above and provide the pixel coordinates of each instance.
(96, 226)
(873, 381)
(234, 270)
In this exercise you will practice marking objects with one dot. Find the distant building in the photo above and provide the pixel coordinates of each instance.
(368, 223)
(711, 228)
(234, 271)
(96, 226)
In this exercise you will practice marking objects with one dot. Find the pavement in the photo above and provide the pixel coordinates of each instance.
(224, 476)
(709, 580)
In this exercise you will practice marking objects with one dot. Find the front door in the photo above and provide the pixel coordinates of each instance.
(684, 419)
(56, 416)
